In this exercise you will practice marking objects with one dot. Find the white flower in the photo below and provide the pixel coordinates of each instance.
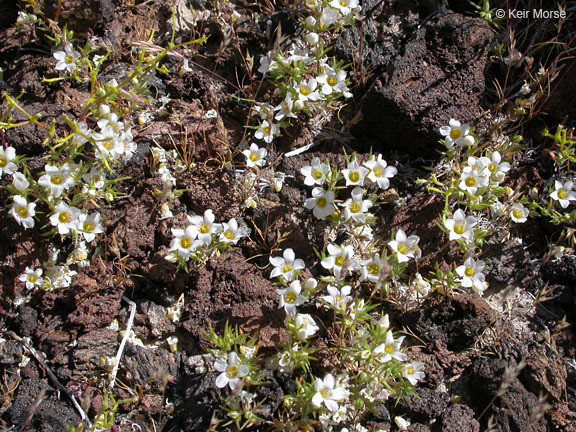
(231, 232)
(211, 114)
(563, 193)
(307, 90)
(421, 285)
(321, 203)
(344, 6)
(471, 274)
(390, 349)
(255, 156)
(519, 213)
(497, 168)
(327, 393)
(32, 277)
(205, 226)
(354, 174)
(380, 172)
(339, 260)
(231, 370)
(312, 38)
(20, 182)
(371, 269)
(329, 16)
(334, 82)
(286, 108)
(315, 173)
(402, 423)
(65, 218)
(338, 298)
(57, 179)
(23, 211)
(313, 4)
(457, 134)
(267, 131)
(185, 241)
(405, 247)
(89, 226)
(6, 158)
(305, 326)
(286, 265)
(94, 178)
(461, 226)
(66, 59)
(355, 207)
(413, 372)
(290, 298)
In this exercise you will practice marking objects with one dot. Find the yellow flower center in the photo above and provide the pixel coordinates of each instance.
(321, 202)
(409, 371)
(377, 171)
(317, 174)
(88, 227)
(32, 278)
(185, 243)
(286, 268)
(69, 59)
(355, 207)
(517, 214)
(343, 3)
(459, 228)
(470, 181)
(339, 261)
(57, 180)
(304, 91)
(325, 393)
(64, 217)
(22, 212)
(108, 145)
(469, 271)
(354, 176)
(373, 269)
(332, 81)
(389, 349)
(402, 249)
(232, 372)
(229, 235)
(290, 297)
(492, 167)
(3, 162)
(254, 157)
(562, 194)
(204, 229)
(455, 134)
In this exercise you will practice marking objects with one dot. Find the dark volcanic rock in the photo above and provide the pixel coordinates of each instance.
(439, 76)
(458, 418)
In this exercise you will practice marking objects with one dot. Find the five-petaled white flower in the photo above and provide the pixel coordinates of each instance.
(286, 265)
(321, 203)
(356, 206)
(57, 179)
(519, 213)
(390, 349)
(328, 393)
(89, 226)
(563, 193)
(339, 260)
(461, 226)
(290, 298)
(305, 326)
(372, 269)
(65, 218)
(6, 158)
(205, 226)
(334, 82)
(231, 370)
(457, 134)
(255, 156)
(31, 277)
(497, 168)
(405, 247)
(66, 59)
(328, 17)
(20, 182)
(380, 172)
(185, 241)
(315, 173)
(354, 174)
(286, 108)
(345, 6)
(267, 131)
(23, 211)
(413, 372)
(338, 298)
(232, 232)
(307, 90)
(471, 274)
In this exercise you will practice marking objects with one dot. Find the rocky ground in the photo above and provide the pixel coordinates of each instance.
(416, 65)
